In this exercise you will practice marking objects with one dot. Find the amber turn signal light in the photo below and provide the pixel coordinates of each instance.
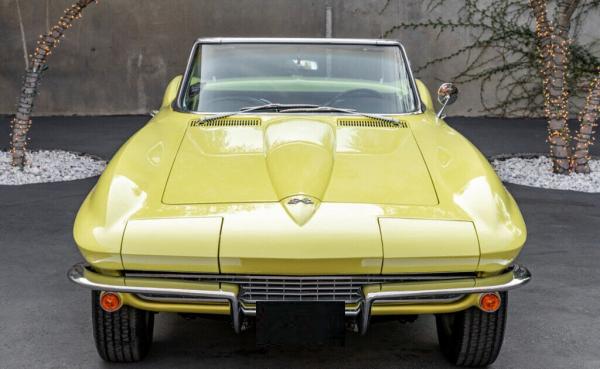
(490, 302)
(110, 302)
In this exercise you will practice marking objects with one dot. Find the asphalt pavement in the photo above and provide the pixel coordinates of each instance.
(45, 321)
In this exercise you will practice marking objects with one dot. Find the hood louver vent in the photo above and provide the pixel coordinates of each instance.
(369, 123)
(241, 122)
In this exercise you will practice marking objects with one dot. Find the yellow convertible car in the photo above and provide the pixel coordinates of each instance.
(304, 189)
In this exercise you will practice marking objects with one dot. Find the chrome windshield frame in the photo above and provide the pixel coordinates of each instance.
(177, 104)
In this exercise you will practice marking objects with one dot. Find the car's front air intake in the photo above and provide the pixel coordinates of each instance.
(299, 288)
(241, 122)
(369, 123)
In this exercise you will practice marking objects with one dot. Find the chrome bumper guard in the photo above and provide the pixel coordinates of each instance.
(514, 277)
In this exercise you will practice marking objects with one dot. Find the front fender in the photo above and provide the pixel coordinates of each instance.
(133, 180)
(464, 178)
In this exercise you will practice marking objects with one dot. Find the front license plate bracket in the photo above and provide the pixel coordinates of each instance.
(306, 323)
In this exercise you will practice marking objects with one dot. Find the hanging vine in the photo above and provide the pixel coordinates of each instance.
(503, 30)
(21, 123)
(512, 42)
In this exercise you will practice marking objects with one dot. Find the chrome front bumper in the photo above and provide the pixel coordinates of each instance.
(401, 292)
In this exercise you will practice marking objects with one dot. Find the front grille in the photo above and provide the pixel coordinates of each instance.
(300, 289)
(296, 288)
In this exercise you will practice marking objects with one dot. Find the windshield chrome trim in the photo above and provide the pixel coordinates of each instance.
(299, 40)
(177, 103)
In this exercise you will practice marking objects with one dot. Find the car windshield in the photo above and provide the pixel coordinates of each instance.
(366, 78)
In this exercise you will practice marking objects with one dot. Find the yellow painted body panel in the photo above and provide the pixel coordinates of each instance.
(299, 155)
(424, 95)
(420, 199)
(169, 307)
(220, 165)
(196, 239)
(265, 240)
(171, 91)
(413, 245)
(465, 181)
(426, 308)
(224, 309)
(379, 166)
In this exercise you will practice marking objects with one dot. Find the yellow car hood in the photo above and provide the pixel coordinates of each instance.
(248, 160)
(301, 194)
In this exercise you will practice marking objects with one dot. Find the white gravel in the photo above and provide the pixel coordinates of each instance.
(537, 172)
(49, 166)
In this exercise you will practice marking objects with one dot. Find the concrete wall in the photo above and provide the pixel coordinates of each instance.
(120, 56)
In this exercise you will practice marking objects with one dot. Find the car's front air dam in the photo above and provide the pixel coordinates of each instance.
(400, 292)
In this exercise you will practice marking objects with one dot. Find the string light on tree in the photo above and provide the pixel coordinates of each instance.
(520, 36)
(554, 45)
(21, 123)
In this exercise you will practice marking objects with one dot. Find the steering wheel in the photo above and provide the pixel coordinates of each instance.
(357, 92)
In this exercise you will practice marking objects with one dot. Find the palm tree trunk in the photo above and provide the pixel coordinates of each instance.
(553, 49)
(22, 120)
(556, 106)
(588, 121)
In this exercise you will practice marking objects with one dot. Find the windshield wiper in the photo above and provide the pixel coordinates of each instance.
(341, 110)
(298, 108)
(270, 106)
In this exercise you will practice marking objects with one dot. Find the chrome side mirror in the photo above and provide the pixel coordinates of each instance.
(447, 95)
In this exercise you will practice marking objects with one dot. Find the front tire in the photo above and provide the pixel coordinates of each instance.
(122, 336)
(472, 338)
